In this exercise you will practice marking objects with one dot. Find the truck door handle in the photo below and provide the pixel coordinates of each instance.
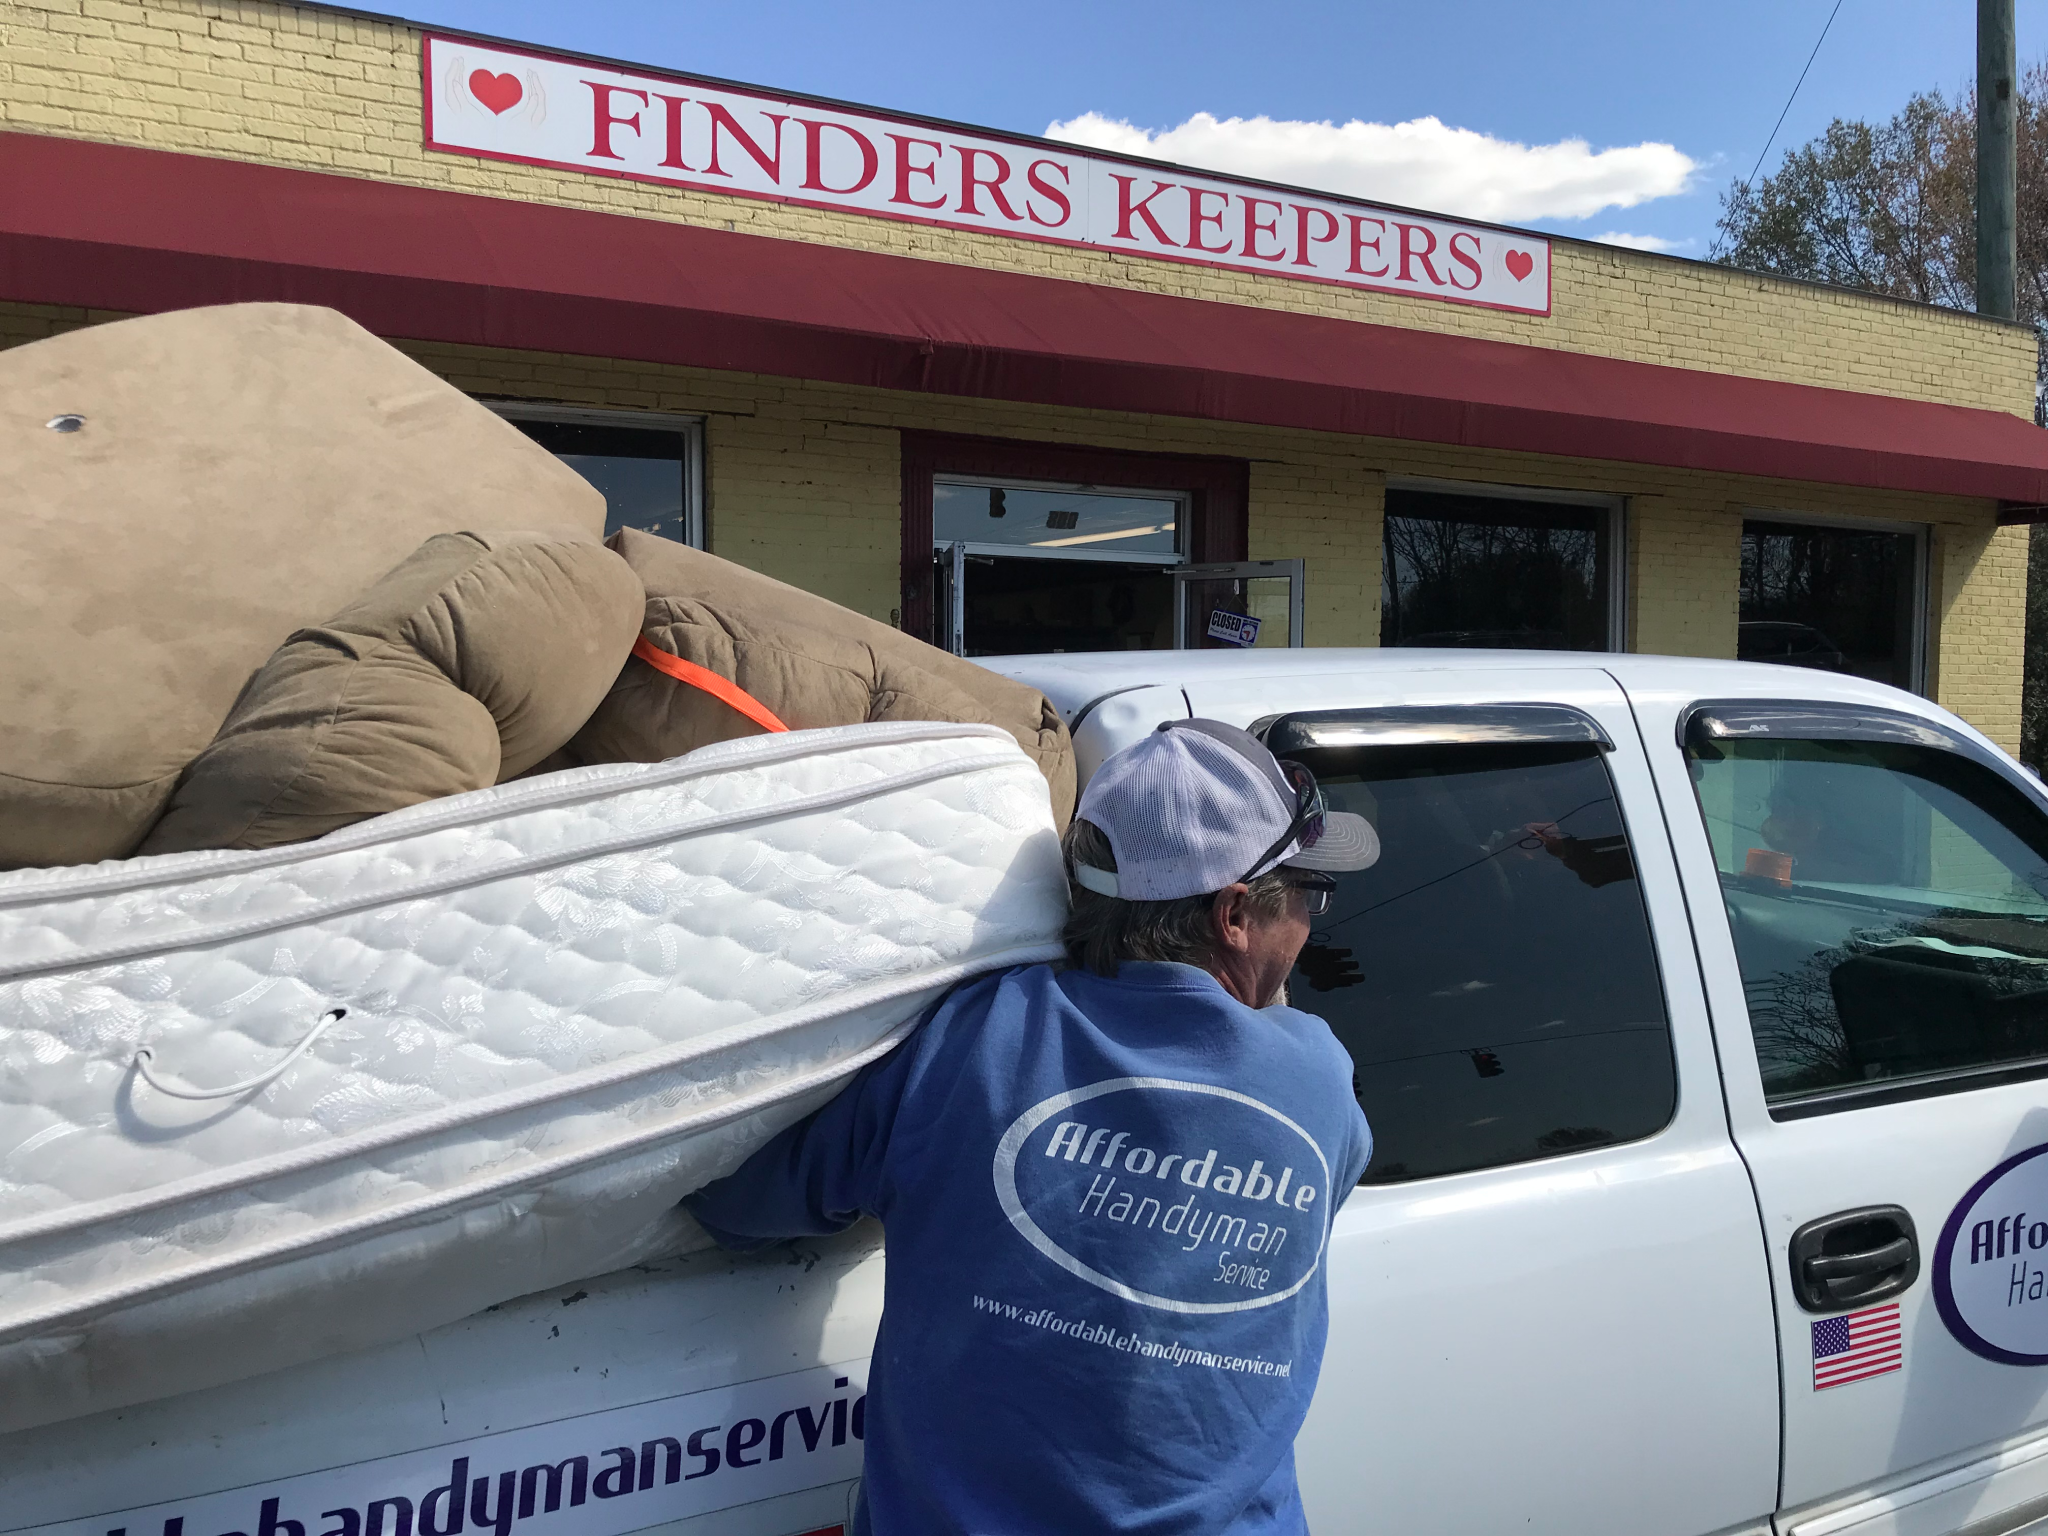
(1896, 1254)
(1853, 1258)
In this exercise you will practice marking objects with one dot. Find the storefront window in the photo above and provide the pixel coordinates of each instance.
(645, 466)
(1834, 599)
(1052, 522)
(1493, 571)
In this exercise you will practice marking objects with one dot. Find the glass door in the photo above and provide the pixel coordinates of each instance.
(1246, 605)
(1034, 567)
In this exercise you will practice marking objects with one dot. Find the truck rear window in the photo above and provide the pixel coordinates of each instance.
(1492, 975)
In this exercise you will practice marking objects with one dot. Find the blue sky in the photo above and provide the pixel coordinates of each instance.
(1708, 79)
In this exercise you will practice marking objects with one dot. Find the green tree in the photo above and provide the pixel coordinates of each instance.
(1891, 208)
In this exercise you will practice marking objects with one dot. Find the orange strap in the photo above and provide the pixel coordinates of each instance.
(699, 677)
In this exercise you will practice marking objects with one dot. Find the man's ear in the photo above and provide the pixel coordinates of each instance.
(1230, 919)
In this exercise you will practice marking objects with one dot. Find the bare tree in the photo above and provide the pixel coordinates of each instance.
(1891, 208)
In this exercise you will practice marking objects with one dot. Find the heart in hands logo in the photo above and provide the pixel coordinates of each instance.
(489, 92)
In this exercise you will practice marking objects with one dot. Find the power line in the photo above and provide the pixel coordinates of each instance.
(1794, 96)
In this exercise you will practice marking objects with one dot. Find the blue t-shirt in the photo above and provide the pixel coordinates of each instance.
(1106, 1204)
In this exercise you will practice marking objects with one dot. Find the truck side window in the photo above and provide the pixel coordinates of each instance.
(1492, 974)
(1889, 905)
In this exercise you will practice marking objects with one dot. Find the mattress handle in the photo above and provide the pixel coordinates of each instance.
(178, 1089)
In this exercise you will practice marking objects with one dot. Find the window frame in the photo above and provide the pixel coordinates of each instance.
(1218, 489)
(1511, 725)
(1615, 506)
(691, 428)
(1922, 536)
(1833, 720)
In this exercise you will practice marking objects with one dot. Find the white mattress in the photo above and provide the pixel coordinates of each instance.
(568, 1001)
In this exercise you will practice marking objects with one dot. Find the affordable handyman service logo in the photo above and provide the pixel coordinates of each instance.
(1182, 1196)
(597, 1474)
(1991, 1263)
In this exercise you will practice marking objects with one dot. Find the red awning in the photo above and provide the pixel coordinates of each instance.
(135, 229)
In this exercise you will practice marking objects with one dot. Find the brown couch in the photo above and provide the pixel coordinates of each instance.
(228, 476)
(810, 661)
(472, 661)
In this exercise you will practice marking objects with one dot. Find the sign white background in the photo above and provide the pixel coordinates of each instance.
(413, 1474)
(1988, 1262)
(511, 104)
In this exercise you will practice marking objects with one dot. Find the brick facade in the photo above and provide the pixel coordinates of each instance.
(803, 478)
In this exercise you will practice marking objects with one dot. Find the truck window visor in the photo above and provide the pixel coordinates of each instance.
(1434, 725)
(1706, 727)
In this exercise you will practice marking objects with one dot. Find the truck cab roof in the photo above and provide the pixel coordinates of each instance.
(1109, 698)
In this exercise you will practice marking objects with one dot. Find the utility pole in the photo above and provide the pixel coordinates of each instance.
(1997, 167)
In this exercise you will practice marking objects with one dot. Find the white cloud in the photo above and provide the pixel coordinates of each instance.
(1421, 163)
(1641, 242)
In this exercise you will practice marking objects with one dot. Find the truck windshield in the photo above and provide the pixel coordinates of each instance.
(1492, 974)
(1889, 906)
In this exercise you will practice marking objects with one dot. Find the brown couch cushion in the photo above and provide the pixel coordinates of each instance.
(240, 472)
(809, 660)
(464, 667)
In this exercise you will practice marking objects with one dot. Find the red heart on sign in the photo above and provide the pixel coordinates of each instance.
(1521, 263)
(498, 92)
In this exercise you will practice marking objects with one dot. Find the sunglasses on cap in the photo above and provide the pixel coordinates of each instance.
(1306, 827)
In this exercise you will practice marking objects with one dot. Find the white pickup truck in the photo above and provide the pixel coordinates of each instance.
(1700, 1011)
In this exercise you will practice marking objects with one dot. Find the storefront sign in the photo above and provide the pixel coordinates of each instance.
(1991, 1264)
(506, 104)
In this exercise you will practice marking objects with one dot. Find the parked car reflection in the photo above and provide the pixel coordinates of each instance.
(1787, 644)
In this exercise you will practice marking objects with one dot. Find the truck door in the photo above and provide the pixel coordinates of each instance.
(1548, 1305)
(1870, 891)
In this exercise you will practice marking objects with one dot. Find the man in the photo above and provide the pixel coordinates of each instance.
(1106, 1188)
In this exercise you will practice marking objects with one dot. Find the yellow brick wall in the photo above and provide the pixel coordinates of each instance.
(1978, 593)
(265, 81)
(803, 484)
(1684, 560)
(1325, 508)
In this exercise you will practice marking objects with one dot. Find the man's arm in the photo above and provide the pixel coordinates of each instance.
(817, 1177)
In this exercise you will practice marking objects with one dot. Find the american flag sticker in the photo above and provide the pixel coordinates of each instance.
(1862, 1344)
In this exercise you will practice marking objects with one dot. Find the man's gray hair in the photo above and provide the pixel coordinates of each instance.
(1103, 931)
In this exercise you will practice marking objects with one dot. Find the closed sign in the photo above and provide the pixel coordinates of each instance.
(1233, 628)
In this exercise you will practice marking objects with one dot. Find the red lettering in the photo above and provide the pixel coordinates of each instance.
(1421, 255)
(814, 157)
(723, 121)
(604, 122)
(1304, 242)
(1045, 189)
(1197, 218)
(673, 106)
(1468, 260)
(1126, 209)
(905, 170)
(1359, 244)
(992, 185)
(1253, 228)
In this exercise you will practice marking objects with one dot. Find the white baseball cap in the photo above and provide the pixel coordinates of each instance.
(1198, 805)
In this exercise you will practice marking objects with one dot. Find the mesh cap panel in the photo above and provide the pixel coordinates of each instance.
(1184, 813)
